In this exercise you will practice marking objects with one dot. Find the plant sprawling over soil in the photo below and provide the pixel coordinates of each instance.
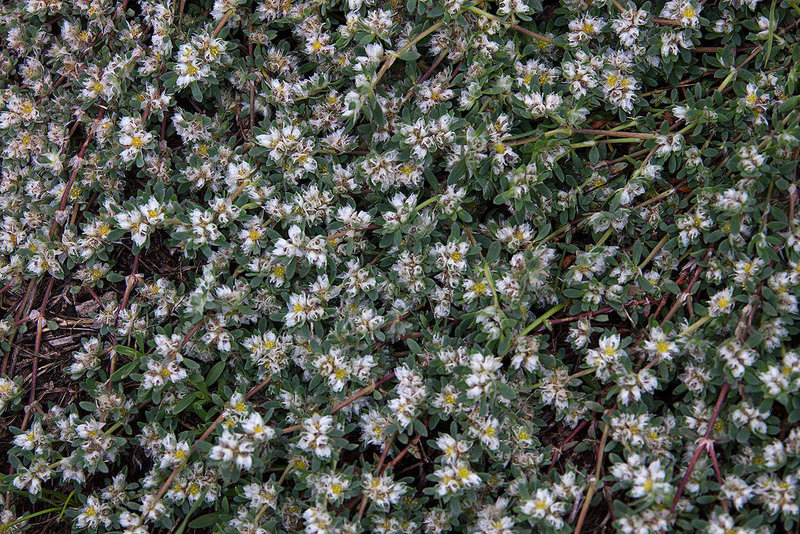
(411, 266)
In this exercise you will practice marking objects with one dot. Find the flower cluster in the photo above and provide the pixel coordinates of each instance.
(339, 266)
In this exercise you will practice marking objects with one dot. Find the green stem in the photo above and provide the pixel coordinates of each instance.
(112, 429)
(614, 133)
(511, 25)
(557, 131)
(7, 526)
(488, 275)
(604, 238)
(653, 252)
(66, 503)
(695, 325)
(557, 232)
(425, 204)
(687, 128)
(192, 510)
(634, 122)
(593, 143)
(393, 55)
(542, 318)
(727, 80)
(771, 35)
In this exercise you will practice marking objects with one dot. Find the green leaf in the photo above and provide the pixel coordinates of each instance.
(182, 404)
(214, 373)
(494, 251)
(196, 92)
(408, 55)
(506, 391)
(420, 428)
(124, 371)
(205, 521)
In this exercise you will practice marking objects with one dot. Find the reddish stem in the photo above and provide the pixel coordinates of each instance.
(360, 393)
(203, 437)
(342, 233)
(404, 452)
(65, 194)
(94, 296)
(606, 309)
(557, 451)
(192, 332)
(22, 306)
(385, 452)
(38, 343)
(705, 443)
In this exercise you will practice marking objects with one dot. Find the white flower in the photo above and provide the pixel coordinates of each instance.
(650, 482)
(133, 138)
(737, 357)
(314, 437)
(543, 505)
(660, 346)
(606, 358)
(721, 302)
(93, 514)
(234, 448)
(382, 490)
(256, 429)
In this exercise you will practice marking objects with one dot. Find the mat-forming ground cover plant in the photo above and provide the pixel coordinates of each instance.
(411, 266)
